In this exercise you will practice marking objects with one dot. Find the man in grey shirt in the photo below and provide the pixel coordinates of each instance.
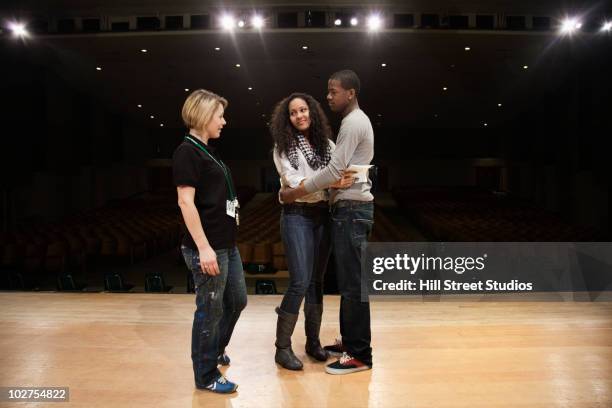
(352, 220)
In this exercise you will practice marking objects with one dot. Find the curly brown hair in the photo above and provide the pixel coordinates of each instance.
(283, 132)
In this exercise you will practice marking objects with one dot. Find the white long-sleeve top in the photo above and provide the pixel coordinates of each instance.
(291, 177)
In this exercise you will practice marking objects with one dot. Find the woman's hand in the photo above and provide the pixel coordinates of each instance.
(208, 261)
(346, 181)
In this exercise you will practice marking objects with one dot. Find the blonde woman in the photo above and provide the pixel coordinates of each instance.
(208, 202)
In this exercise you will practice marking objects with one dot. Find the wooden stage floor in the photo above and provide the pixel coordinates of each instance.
(132, 350)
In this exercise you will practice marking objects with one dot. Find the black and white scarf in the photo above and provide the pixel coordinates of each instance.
(314, 160)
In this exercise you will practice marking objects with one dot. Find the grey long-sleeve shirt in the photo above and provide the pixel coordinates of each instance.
(355, 145)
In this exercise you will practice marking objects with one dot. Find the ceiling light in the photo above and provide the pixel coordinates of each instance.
(374, 22)
(18, 29)
(257, 21)
(228, 22)
(570, 25)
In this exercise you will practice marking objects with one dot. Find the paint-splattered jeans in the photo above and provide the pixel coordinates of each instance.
(219, 301)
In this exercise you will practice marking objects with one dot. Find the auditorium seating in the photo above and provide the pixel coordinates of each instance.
(122, 232)
(469, 214)
(111, 235)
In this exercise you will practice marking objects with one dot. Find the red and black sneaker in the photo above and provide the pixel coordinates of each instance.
(346, 365)
(336, 349)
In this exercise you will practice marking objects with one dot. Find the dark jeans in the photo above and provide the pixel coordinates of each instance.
(219, 301)
(306, 239)
(352, 223)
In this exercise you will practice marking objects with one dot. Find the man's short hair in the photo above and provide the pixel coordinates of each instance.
(348, 80)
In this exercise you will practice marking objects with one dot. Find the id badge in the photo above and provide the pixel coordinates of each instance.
(230, 208)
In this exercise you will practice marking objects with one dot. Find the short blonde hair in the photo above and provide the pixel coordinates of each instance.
(199, 108)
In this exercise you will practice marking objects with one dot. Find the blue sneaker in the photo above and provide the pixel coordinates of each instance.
(223, 359)
(222, 386)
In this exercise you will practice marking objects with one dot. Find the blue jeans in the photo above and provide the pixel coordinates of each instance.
(352, 223)
(307, 247)
(219, 301)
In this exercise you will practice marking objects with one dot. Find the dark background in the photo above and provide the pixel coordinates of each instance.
(74, 138)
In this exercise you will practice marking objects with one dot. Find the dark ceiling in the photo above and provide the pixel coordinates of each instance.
(409, 91)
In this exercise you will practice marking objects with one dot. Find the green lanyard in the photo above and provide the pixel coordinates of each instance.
(228, 180)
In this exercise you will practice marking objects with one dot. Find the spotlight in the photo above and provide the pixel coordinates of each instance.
(18, 29)
(499, 105)
(444, 88)
(485, 124)
(337, 22)
(257, 21)
(98, 68)
(354, 21)
(237, 65)
(161, 125)
(250, 88)
(607, 26)
(374, 22)
(228, 22)
(139, 105)
(383, 65)
(570, 25)
(186, 89)
(304, 47)
(144, 50)
(217, 49)
(525, 66)
(467, 48)
(152, 116)
(241, 23)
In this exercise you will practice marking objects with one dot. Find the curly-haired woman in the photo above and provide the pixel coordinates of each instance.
(302, 147)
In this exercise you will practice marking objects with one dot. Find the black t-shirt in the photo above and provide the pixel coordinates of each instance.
(192, 167)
